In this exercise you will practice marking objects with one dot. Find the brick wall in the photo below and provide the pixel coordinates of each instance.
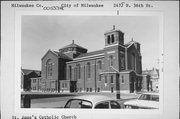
(131, 50)
(49, 80)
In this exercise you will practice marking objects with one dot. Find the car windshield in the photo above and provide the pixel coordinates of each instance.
(78, 103)
(114, 105)
(149, 97)
(102, 105)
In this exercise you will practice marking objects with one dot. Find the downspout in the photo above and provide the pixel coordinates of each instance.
(84, 77)
(95, 74)
(126, 60)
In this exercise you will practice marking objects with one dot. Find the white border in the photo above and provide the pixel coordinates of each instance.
(80, 13)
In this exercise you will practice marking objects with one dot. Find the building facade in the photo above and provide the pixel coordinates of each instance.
(155, 79)
(118, 66)
(151, 79)
(26, 75)
(36, 84)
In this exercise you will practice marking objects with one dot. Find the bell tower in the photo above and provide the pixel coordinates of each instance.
(114, 36)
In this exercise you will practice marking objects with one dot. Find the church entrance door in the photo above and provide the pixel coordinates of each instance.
(132, 85)
(73, 86)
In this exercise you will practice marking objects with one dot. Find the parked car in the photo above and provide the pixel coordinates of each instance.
(145, 101)
(92, 102)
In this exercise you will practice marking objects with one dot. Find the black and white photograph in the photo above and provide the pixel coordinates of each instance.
(99, 62)
(89, 60)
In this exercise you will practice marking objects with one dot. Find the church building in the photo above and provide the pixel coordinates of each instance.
(117, 66)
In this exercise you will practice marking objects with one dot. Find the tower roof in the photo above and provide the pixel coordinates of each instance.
(73, 45)
(113, 30)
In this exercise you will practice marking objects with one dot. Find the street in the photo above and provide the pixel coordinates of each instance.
(59, 102)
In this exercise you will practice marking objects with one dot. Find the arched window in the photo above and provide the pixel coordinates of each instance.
(78, 71)
(112, 38)
(133, 61)
(105, 79)
(70, 72)
(109, 39)
(88, 70)
(112, 79)
(122, 77)
(99, 64)
(75, 73)
(49, 65)
(111, 60)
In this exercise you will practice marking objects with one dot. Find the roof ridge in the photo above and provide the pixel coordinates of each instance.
(31, 69)
(73, 45)
(64, 55)
(95, 51)
(92, 53)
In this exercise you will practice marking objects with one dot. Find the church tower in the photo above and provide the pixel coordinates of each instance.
(114, 50)
(114, 36)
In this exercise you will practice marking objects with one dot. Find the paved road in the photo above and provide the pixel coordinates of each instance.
(57, 102)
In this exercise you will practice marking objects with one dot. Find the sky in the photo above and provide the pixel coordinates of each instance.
(41, 33)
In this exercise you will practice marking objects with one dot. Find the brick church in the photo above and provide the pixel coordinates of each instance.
(73, 69)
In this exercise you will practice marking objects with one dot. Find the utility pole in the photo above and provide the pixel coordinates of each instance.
(118, 95)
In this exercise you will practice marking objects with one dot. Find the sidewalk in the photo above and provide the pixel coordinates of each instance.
(59, 99)
(66, 94)
(122, 95)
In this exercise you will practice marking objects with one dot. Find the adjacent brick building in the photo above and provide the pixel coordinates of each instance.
(151, 79)
(26, 75)
(73, 69)
(36, 84)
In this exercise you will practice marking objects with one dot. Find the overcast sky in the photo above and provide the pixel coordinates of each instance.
(41, 33)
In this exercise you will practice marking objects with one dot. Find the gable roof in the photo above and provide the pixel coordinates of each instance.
(130, 43)
(61, 55)
(57, 54)
(91, 53)
(28, 71)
